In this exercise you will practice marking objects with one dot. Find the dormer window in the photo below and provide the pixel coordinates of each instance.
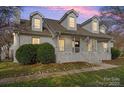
(71, 22)
(37, 23)
(103, 29)
(95, 26)
(68, 20)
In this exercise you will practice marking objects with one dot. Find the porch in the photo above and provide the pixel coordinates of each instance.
(79, 49)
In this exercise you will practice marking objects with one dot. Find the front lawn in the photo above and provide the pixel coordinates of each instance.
(111, 77)
(108, 77)
(10, 69)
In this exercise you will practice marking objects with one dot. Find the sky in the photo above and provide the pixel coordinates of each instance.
(56, 12)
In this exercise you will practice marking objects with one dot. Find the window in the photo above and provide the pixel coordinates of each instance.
(35, 40)
(71, 22)
(105, 46)
(92, 45)
(76, 46)
(37, 23)
(61, 45)
(102, 29)
(95, 26)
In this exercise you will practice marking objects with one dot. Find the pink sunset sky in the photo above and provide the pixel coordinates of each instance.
(56, 12)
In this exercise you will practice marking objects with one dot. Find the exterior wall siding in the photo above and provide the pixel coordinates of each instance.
(67, 55)
(24, 39)
(83, 55)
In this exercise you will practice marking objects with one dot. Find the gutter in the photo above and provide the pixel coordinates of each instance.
(86, 35)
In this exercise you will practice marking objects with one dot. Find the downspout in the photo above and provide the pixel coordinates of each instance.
(19, 38)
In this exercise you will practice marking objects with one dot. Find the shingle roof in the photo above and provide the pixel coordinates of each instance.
(67, 13)
(25, 28)
(89, 20)
(56, 27)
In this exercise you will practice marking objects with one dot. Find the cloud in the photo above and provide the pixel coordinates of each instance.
(85, 10)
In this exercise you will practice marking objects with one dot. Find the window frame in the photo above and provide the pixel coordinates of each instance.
(61, 49)
(71, 22)
(92, 45)
(74, 46)
(35, 26)
(89, 46)
(95, 28)
(105, 49)
(36, 38)
(94, 41)
(102, 30)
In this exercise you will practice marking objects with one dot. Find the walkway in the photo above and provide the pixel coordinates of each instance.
(40, 75)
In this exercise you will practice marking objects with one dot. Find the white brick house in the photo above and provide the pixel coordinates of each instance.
(73, 42)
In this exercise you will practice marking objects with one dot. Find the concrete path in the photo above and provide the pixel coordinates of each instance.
(40, 75)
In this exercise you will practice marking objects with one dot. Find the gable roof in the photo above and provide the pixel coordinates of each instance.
(58, 28)
(67, 13)
(36, 13)
(89, 20)
(54, 27)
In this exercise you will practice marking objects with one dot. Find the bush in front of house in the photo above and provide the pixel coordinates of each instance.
(46, 53)
(122, 54)
(115, 53)
(26, 54)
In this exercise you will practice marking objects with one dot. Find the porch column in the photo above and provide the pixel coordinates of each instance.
(15, 45)
(82, 45)
(109, 50)
(57, 50)
(109, 46)
(74, 44)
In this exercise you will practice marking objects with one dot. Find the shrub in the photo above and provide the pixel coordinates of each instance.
(26, 54)
(122, 54)
(115, 53)
(46, 53)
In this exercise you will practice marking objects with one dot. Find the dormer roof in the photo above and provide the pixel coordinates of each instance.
(89, 20)
(67, 13)
(36, 13)
(54, 27)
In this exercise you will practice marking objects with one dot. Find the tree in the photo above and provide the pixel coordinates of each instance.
(113, 18)
(9, 19)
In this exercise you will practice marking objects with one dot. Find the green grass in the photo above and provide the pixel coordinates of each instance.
(109, 77)
(10, 69)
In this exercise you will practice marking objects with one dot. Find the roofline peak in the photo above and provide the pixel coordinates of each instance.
(36, 12)
(67, 13)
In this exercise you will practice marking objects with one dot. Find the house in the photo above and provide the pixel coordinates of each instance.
(73, 42)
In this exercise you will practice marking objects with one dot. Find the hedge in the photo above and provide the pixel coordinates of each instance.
(30, 54)
(26, 54)
(46, 53)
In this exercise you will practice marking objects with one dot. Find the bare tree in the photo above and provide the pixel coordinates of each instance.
(9, 19)
(113, 17)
